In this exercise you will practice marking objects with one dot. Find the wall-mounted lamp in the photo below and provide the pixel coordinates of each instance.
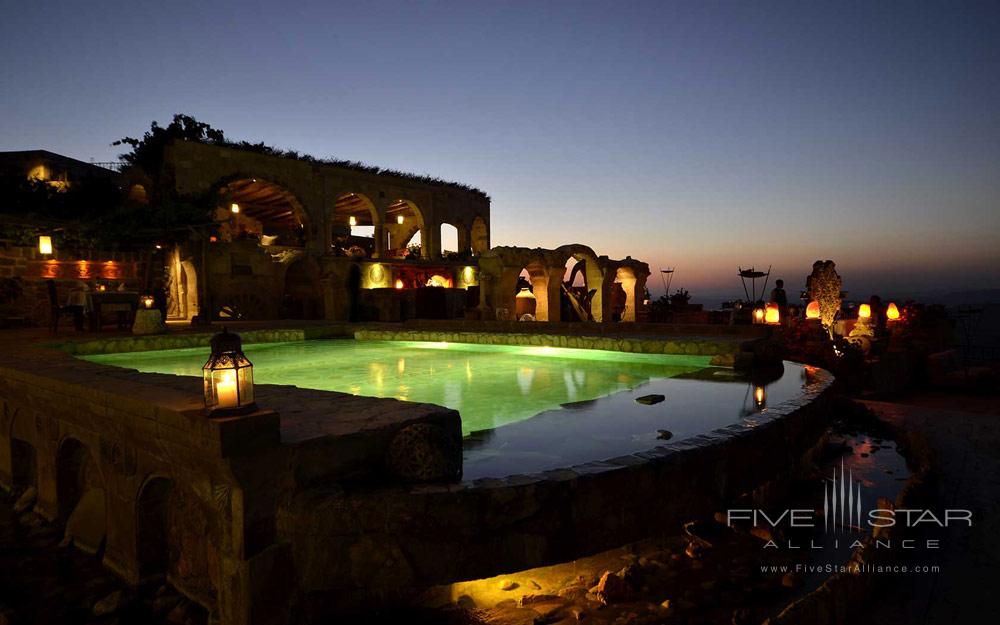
(44, 244)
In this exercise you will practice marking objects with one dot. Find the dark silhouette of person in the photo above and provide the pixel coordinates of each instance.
(779, 297)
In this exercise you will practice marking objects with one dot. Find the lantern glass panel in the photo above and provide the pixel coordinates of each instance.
(228, 378)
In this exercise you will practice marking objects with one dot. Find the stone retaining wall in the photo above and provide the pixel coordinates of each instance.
(694, 346)
(353, 547)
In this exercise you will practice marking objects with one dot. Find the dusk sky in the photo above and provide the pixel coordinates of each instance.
(698, 135)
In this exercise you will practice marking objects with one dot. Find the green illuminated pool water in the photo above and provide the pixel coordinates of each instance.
(523, 408)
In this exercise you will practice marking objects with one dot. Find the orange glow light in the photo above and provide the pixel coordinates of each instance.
(772, 315)
(399, 283)
(812, 310)
(758, 315)
(892, 312)
(864, 311)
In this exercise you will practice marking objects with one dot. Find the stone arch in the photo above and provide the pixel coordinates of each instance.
(75, 468)
(401, 234)
(594, 277)
(80, 495)
(626, 277)
(479, 235)
(263, 208)
(351, 211)
(23, 452)
(302, 297)
(450, 237)
(152, 508)
(538, 277)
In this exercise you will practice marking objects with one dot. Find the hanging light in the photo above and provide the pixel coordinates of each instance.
(892, 312)
(228, 377)
(864, 311)
(234, 207)
(772, 314)
(148, 301)
(44, 244)
(399, 219)
(353, 220)
(812, 310)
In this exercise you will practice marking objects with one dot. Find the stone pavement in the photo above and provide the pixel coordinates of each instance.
(966, 464)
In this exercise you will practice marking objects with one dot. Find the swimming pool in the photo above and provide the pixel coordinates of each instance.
(524, 408)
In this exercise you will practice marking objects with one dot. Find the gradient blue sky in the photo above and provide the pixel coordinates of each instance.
(699, 135)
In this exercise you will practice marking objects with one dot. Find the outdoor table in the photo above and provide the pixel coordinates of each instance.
(96, 303)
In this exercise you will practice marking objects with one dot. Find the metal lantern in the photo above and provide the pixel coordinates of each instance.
(228, 377)
(758, 315)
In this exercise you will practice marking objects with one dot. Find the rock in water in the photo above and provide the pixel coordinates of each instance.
(611, 588)
(664, 435)
(649, 400)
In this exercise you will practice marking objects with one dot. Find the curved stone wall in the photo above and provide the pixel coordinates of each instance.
(358, 546)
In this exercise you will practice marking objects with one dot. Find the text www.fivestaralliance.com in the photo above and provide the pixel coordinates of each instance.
(850, 568)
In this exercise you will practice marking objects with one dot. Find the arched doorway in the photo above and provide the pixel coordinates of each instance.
(74, 469)
(23, 455)
(582, 292)
(356, 226)
(449, 241)
(404, 226)
(626, 280)
(256, 209)
(152, 509)
(80, 496)
(534, 279)
(480, 236)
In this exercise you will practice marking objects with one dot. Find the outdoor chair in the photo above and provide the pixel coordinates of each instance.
(59, 310)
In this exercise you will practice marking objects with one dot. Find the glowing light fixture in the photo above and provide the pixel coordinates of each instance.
(44, 244)
(772, 314)
(865, 311)
(148, 301)
(812, 310)
(228, 376)
(353, 220)
(759, 396)
(399, 219)
(399, 283)
(758, 315)
(234, 207)
(892, 312)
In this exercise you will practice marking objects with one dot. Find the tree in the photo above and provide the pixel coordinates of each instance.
(147, 152)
